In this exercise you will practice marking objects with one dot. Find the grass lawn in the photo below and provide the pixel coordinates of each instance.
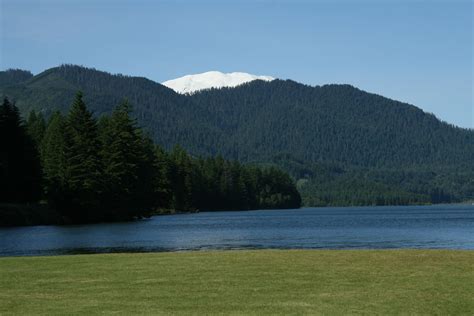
(242, 282)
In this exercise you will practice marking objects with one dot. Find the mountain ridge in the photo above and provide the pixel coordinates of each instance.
(150, 97)
(333, 135)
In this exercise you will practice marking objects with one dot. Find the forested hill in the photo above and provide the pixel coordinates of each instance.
(332, 135)
(259, 120)
(166, 115)
(14, 76)
(332, 123)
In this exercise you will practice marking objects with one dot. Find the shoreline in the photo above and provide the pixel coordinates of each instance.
(29, 214)
(238, 250)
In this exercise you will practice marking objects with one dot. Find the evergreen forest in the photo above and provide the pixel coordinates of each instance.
(74, 168)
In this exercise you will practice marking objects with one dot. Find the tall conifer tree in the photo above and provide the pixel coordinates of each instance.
(181, 180)
(54, 161)
(124, 156)
(36, 127)
(162, 181)
(20, 170)
(83, 166)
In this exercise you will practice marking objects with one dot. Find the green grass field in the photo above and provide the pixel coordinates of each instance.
(242, 282)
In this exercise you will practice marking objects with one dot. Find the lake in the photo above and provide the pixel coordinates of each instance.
(440, 226)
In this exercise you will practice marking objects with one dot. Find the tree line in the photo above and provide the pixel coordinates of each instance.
(108, 169)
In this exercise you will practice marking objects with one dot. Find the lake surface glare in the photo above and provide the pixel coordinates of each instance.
(436, 227)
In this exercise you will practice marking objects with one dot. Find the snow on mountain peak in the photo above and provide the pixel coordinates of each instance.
(211, 79)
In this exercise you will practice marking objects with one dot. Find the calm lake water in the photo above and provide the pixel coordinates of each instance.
(441, 226)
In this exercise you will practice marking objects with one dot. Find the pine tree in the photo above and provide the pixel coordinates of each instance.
(20, 170)
(36, 127)
(128, 160)
(54, 161)
(149, 190)
(162, 180)
(181, 180)
(83, 166)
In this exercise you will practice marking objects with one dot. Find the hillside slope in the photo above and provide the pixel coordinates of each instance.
(334, 137)
(166, 115)
(332, 123)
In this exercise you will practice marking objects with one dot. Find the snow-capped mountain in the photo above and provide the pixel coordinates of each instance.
(211, 79)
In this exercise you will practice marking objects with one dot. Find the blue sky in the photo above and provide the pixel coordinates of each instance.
(414, 51)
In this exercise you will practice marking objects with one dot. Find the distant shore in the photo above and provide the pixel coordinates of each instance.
(40, 214)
